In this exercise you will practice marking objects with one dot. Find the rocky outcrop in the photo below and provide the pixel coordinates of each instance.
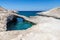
(8, 15)
(55, 12)
(47, 27)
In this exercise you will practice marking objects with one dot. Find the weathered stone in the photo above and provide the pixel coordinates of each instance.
(8, 15)
(47, 27)
(55, 12)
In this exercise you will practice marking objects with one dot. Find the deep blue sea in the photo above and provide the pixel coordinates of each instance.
(20, 24)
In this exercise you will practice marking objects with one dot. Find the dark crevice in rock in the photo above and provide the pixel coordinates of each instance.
(13, 22)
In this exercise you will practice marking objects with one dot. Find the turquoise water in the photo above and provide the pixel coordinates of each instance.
(20, 24)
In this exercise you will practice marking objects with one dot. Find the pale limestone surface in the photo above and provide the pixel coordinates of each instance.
(47, 28)
(55, 12)
(8, 15)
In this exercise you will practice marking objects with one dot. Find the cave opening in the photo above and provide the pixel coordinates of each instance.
(18, 24)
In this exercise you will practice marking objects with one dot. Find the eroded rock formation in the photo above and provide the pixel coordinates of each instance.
(8, 15)
(47, 27)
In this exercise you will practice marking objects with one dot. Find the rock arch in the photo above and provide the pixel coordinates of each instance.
(7, 16)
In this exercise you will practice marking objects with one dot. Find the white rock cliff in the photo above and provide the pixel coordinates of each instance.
(8, 15)
(47, 28)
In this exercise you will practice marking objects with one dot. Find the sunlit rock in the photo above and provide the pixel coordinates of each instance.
(47, 26)
(8, 15)
(55, 12)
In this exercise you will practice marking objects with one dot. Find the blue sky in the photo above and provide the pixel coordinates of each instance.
(30, 5)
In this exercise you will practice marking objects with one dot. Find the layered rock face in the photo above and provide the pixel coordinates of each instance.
(47, 27)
